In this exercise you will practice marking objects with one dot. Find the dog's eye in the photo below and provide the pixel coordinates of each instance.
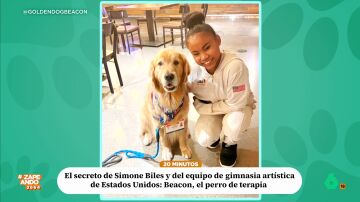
(160, 63)
(176, 62)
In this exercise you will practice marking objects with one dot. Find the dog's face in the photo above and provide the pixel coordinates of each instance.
(169, 69)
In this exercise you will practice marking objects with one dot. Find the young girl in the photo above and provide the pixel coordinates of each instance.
(222, 94)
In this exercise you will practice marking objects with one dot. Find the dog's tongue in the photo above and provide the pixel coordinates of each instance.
(170, 87)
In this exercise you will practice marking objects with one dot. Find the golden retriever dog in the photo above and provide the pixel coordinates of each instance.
(167, 100)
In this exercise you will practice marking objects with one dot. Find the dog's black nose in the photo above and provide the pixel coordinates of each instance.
(169, 77)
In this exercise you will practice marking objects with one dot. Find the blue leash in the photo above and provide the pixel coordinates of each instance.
(116, 158)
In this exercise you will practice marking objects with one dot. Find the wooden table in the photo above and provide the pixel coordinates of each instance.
(149, 9)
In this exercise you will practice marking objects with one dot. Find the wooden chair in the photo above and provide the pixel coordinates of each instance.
(179, 17)
(107, 18)
(115, 17)
(183, 10)
(124, 29)
(204, 8)
(109, 30)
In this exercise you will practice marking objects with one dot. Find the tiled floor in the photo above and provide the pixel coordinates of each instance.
(120, 111)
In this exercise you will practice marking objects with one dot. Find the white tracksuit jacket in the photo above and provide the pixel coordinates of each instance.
(228, 88)
(232, 101)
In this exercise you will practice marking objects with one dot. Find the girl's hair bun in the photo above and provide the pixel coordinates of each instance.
(193, 19)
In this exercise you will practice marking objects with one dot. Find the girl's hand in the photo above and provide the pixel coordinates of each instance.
(251, 101)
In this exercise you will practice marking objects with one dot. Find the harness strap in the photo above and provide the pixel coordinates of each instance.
(170, 114)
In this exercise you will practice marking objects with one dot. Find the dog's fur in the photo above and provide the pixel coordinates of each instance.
(167, 61)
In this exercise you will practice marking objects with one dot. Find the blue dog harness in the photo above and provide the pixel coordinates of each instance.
(170, 114)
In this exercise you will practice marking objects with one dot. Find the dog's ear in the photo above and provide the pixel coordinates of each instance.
(186, 68)
(153, 76)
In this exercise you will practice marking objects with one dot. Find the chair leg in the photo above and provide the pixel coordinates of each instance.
(123, 41)
(117, 42)
(139, 38)
(172, 36)
(108, 78)
(164, 36)
(128, 44)
(155, 27)
(132, 38)
(182, 38)
(118, 70)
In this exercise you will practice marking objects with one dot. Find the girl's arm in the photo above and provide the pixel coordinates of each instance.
(238, 91)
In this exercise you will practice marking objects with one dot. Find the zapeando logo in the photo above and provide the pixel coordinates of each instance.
(30, 181)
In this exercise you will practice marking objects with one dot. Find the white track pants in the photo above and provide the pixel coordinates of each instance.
(233, 125)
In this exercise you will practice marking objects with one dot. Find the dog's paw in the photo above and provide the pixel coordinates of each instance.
(147, 139)
(166, 154)
(186, 153)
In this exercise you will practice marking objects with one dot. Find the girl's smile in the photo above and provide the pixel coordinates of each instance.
(205, 49)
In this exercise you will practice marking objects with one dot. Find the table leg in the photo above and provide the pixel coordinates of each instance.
(153, 41)
(150, 25)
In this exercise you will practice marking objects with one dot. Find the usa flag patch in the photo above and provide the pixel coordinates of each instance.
(239, 88)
